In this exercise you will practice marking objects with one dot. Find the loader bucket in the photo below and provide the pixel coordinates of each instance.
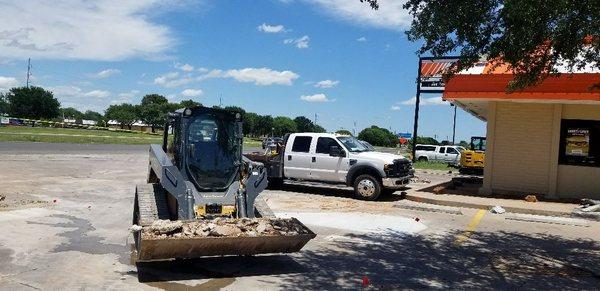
(188, 248)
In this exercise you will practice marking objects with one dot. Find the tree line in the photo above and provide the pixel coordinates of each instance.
(38, 103)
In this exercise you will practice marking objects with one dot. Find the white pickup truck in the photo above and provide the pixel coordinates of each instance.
(331, 158)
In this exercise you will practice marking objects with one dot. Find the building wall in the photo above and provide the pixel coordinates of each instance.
(576, 181)
(522, 155)
(522, 147)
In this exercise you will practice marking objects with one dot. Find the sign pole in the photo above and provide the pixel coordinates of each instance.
(417, 101)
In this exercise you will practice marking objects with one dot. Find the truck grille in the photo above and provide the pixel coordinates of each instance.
(400, 168)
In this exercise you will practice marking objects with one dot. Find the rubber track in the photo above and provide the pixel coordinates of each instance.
(152, 203)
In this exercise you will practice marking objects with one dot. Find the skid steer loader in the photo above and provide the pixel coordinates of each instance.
(199, 174)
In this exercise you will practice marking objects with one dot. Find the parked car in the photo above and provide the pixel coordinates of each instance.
(434, 153)
(271, 141)
(368, 145)
(333, 159)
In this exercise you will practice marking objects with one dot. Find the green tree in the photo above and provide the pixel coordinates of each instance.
(250, 124)
(283, 125)
(343, 132)
(70, 113)
(318, 128)
(530, 36)
(304, 124)
(3, 104)
(32, 102)
(464, 144)
(189, 103)
(378, 136)
(264, 125)
(125, 114)
(154, 99)
(153, 110)
(92, 115)
(235, 109)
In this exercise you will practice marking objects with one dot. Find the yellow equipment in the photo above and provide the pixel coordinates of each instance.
(473, 159)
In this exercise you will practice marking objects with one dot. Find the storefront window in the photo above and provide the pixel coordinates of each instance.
(580, 143)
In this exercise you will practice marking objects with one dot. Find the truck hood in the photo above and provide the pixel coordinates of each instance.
(378, 156)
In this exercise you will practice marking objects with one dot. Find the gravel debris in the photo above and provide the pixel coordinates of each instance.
(223, 227)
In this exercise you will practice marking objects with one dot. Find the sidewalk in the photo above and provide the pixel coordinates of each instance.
(511, 205)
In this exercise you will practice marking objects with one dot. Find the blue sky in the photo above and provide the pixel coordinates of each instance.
(336, 58)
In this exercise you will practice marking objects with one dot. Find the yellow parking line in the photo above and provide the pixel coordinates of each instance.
(470, 228)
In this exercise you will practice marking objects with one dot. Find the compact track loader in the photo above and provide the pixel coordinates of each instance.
(200, 175)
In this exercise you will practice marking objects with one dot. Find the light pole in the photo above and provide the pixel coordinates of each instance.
(454, 124)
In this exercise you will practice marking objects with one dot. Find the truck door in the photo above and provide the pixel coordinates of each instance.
(452, 155)
(440, 155)
(297, 160)
(326, 167)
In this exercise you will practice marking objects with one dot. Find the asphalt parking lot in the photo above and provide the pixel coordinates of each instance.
(67, 210)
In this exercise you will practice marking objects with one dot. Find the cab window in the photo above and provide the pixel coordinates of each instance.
(442, 150)
(301, 144)
(452, 151)
(324, 144)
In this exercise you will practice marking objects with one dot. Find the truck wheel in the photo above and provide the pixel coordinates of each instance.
(422, 159)
(367, 187)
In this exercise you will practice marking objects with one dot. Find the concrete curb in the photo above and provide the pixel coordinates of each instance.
(510, 209)
(428, 209)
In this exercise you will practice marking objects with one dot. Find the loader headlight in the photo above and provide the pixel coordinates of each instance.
(187, 112)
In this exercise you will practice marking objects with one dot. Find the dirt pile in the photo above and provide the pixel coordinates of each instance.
(223, 227)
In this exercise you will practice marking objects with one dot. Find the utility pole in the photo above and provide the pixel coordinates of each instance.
(28, 70)
(315, 119)
(454, 125)
(416, 124)
(354, 129)
(220, 100)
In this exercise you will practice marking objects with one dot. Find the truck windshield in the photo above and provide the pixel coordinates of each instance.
(352, 144)
(212, 151)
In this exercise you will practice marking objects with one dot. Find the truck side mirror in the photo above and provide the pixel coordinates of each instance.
(335, 151)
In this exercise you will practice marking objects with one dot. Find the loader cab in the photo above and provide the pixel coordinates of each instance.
(206, 146)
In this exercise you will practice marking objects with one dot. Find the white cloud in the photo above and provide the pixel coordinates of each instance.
(258, 76)
(97, 94)
(361, 39)
(78, 29)
(172, 79)
(316, 98)
(395, 107)
(65, 91)
(425, 101)
(300, 43)
(326, 84)
(184, 67)
(191, 92)
(106, 73)
(8, 82)
(271, 28)
(390, 14)
(125, 97)
(262, 76)
(215, 73)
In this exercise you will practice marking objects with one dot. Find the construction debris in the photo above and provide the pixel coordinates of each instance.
(2, 197)
(439, 190)
(497, 209)
(222, 227)
(531, 198)
(590, 205)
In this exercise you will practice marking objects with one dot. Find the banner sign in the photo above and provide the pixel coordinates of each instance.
(431, 72)
(578, 142)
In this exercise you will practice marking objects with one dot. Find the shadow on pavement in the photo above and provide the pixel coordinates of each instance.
(491, 260)
(217, 267)
(336, 192)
